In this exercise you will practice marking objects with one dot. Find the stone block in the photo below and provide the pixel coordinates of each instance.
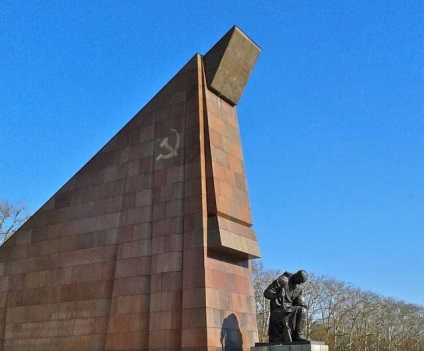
(229, 64)
(167, 262)
(232, 237)
(136, 248)
(123, 305)
(137, 285)
(165, 301)
(132, 267)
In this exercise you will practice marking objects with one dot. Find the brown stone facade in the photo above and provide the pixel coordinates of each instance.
(147, 247)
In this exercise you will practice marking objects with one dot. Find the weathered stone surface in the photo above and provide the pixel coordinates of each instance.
(229, 63)
(119, 258)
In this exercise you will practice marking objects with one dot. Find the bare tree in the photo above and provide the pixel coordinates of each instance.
(312, 292)
(12, 216)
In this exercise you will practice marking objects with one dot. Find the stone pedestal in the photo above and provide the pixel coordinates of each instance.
(291, 346)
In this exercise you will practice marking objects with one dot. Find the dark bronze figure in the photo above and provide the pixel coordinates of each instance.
(288, 307)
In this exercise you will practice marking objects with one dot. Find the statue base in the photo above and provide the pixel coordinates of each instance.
(290, 346)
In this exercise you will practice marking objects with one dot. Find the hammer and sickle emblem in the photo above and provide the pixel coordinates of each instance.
(173, 151)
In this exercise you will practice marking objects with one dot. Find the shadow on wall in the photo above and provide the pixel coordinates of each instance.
(231, 339)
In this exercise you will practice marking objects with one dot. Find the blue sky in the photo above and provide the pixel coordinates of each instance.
(331, 120)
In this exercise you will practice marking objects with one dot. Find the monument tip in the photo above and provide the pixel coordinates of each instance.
(229, 63)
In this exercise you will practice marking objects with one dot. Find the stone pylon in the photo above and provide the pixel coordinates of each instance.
(147, 247)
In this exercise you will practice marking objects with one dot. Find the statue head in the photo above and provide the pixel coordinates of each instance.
(300, 277)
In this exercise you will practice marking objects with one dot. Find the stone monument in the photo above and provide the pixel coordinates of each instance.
(288, 313)
(147, 247)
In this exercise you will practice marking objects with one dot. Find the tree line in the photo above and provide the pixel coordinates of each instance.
(347, 318)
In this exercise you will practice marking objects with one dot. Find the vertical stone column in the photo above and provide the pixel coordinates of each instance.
(230, 302)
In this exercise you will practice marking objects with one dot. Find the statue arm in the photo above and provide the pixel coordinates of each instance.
(274, 291)
(300, 301)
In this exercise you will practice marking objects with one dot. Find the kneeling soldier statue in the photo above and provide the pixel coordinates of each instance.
(288, 308)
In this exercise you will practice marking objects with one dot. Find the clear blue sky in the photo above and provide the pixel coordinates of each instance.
(331, 119)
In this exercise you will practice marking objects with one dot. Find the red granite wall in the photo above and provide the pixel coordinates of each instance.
(229, 292)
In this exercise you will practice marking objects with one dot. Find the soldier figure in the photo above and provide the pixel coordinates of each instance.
(288, 308)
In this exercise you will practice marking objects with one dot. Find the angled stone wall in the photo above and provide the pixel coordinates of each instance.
(147, 247)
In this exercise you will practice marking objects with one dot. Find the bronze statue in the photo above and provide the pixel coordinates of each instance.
(288, 307)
